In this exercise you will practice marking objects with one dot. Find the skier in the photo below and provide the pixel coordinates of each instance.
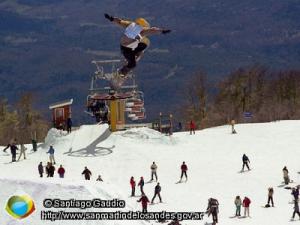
(48, 169)
(286, 177)
(87, 173)
(132, 184)
(69, 125)
(153, 171)
(99, 178)
(238, 204)
(192, 127)
(183, 171)
(245, 162)
(246, 205)
(22, 152)
(51, 170)
(61, 171)
(270, 197)
(41, 169)
(144, 200)
(233, 131)
(34, 145)
(141, 184)
(51, 154)
(134, 40)
(157, 191)
(213, 209)
(296, 209)
(13, 149)
(295, 193)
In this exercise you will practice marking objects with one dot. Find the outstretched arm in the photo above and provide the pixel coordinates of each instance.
(154, 30)
(116, 20)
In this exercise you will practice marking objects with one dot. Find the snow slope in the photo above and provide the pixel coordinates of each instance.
(213, 157)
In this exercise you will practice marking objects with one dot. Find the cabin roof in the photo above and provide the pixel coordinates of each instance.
(61, 104)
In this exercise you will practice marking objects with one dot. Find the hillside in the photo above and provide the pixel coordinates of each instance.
(48, 45)
(213, 157)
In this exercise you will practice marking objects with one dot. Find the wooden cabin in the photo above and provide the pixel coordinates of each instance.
(61, 111)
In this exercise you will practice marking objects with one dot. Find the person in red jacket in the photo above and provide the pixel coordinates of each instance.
(183, 171)
(192, 127)
(246, 205)
(144, 199)
(132, 184)
(61, 171)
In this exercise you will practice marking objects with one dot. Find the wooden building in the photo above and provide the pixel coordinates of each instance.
(61, 111)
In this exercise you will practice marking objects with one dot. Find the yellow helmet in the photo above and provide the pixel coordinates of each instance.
(142, 22)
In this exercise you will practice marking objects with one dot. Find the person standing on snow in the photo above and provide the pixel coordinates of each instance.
(51, 170)
(296, 209)
(134, 40)
(238, 204)
(153, 171)
(183, 171)
(87, 173)
(157, 191)
(51, 154)
(246, 205)
(286, 177)
(61, 171)
(144, 200)
(141, 184)
(270, 196)
(213, 209)
(69, 125)
(22, 152)
(295, 193)
(132, 185)
(192, 127)
(41, 169)
(13, 149)
(245, 162)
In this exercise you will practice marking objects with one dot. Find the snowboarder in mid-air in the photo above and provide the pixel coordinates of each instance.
(134, 40)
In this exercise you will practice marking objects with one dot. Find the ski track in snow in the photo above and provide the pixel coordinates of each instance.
(213, 157)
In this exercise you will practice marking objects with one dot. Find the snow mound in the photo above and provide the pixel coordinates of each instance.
(53, 136)
(145, 134)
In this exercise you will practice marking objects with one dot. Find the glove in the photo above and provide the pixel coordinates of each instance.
(165, 31)
(110, 18)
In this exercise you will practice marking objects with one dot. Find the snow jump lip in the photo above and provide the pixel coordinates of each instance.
(92, 150)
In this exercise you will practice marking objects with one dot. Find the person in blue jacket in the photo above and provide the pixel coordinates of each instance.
(51, 154)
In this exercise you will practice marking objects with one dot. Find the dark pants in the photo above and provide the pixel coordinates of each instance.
(41, 174)
(69, 129)
(183, 173)
(296, 212)
(144, 209)
(192, 131)
(245, 164)
(270, 199)
(158, 194)
(214, 214)
(13, 156)
(132, 191)
(153, 174)
(142, 189)
(130, 56)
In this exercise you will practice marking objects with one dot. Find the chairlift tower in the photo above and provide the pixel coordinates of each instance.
(113, 91)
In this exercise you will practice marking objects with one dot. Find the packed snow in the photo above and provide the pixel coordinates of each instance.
(213, 157)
